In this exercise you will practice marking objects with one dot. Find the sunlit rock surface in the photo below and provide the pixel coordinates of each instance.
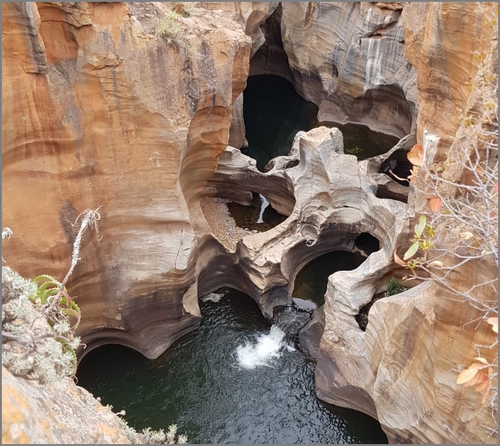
(99, 112)
(403, 369)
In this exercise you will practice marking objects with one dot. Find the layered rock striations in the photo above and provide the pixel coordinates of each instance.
(403, 369)
(443, 42)
(99, 112)
(347, 58)
(329, 198)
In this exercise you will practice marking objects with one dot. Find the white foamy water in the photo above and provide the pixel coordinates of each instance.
(263, 207)
(263, 350)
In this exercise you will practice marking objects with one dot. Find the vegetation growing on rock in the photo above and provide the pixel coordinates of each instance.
(459, 228)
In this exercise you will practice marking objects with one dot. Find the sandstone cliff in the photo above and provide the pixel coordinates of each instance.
(101, 111)
(404, 367)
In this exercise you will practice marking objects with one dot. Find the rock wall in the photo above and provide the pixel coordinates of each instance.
(347, 58)
(442, 41)
(403, 369)
(96, 114)
(100, 112)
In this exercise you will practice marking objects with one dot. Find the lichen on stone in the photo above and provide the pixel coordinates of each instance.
(31, 348)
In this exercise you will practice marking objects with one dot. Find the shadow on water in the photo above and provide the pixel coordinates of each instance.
(362, 142)
(312, 280)
(200, 383)
(273, 114)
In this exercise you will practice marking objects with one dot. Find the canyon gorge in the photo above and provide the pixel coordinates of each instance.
(102, 112)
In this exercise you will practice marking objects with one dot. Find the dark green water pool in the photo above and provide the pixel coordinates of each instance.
(259, 216)
(362, 142)
(273, 113)
(311, 282)
(234, 380)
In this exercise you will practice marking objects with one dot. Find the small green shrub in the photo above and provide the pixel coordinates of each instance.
(32, 346)
(169, 26)
(356, 150)
(394, 287)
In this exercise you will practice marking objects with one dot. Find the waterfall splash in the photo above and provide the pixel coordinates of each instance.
(263, 350)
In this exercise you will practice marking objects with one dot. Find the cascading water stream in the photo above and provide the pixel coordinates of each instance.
(263, 350)
(263, 207)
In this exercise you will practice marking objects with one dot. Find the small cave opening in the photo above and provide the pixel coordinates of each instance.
(273, 112)
(367, 243)
(311, 282)
(397, 167)
(393, 287)
(258, 216)
(361, 141)
(362, 316)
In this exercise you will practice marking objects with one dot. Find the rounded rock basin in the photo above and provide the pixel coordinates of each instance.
(236, 379)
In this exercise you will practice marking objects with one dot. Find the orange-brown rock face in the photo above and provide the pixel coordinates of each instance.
(441, 40)
(403, 369)
(98, 112)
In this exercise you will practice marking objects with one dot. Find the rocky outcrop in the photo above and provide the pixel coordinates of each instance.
(100, 112)
(67, 414)
(40, 402)
(329, 198)
(442, 42)
(347, 58)
(98, 115)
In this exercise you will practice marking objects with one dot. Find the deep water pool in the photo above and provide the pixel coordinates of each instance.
(234, 380)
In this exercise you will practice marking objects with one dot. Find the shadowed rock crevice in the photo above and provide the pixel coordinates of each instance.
(273, 113)
(329, 199)
(311, 281)
(270, 58)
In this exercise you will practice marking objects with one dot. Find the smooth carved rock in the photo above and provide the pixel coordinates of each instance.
(403, 369)
(440, 42)
(349, 59)
(397, 370)
(329, 201)
(97, 113)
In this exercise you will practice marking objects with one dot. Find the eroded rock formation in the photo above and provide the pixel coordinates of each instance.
(403, 369)
(329, 198)
(98, 111)
(347, 58)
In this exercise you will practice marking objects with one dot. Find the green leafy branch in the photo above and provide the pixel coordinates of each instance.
(48, 286)
(421, 241)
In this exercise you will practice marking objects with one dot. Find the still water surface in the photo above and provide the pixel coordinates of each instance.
(312, 280)
(234, 380)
